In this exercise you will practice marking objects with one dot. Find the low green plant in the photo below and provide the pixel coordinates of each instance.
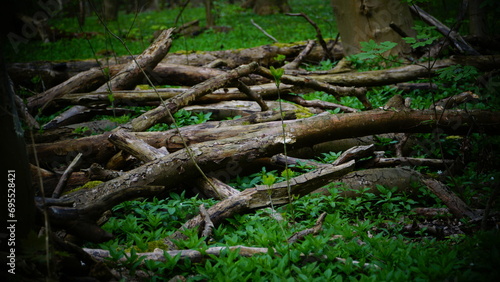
(426, 35)
(323, 65)
(372, 56)
(329, 157)
(81, 130)
(183, 118)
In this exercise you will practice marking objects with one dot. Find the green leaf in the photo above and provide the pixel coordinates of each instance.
(277, 74)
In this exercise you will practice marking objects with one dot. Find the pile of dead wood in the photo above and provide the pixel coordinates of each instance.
(134, 163)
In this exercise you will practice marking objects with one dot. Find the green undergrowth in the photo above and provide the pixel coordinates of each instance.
(362, 239)
(136, 30)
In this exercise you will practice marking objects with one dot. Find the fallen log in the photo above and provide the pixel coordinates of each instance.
(176, 167)
(325, 127)
(53, 73)
(81, 82)
(193, 255)
(144, 97)
(405, 73)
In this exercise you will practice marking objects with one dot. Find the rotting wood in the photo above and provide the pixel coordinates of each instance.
(78, 113)
(357, 152)
(404, 161)
(252, 95)
(405, 73)
(283, 160)
(97, 172)
(456, 205)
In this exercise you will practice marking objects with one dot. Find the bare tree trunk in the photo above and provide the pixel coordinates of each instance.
(267, 7)
(110, 10)
(209, 5)
(477, 18)
(362, 21)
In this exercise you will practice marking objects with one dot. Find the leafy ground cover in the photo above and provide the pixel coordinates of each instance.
(136, 30)
(367, 238)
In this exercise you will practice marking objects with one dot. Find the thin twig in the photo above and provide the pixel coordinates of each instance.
(263, 31)
(296, 62)
(64, 178)
(318, 34)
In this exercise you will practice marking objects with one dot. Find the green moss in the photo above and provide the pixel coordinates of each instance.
(283, 45)
(303, 112)
(89, 185)
(143, 87)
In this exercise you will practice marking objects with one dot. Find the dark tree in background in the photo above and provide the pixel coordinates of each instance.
(110, 10)
(267, 7)
(477, 18)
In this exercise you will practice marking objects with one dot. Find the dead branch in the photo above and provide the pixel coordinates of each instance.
(296, 62)
(316, 129)
(313, 230)
(263, 31)
(215, 189)
(281, 159)
(145, 97)
(64, 178)
(252, 95)
(263, 196)
(309, 82)
(130, 74)
(318, 104)
(455, 100)
(148, 119)
(457, 207)
(79, 113)
(24, 113)
(135, 146)
(357, 152)
(97, 172)
(452, 35)
(405, 73)
(319, 36)
(193, 255)
(78, 83)
(391, 162)
(209, 225)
